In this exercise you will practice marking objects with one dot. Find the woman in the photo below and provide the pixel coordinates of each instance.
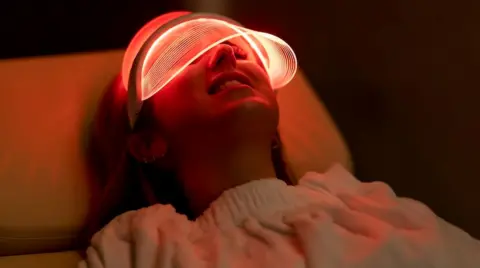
(195, 172)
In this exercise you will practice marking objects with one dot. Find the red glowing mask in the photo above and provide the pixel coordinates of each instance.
(169, 43)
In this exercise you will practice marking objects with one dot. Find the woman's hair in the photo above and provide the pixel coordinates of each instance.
(124, 183)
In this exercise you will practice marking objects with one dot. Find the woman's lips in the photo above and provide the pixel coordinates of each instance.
(228, 81)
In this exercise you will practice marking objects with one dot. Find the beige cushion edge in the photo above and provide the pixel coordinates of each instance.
(65, 259)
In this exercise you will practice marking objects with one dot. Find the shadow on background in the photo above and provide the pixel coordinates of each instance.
(398, 76)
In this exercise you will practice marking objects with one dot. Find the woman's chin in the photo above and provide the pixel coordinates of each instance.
(249, 112)
(248, 105)
(244, 99)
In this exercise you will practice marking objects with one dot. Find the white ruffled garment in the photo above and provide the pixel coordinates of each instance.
(329, 220)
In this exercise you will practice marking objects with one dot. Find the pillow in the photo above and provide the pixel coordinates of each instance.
(310, 139)
(47, 260)
(46, 104)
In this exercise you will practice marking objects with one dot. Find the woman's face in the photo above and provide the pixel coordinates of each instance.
(226, 90)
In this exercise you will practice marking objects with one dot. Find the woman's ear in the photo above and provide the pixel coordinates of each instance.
(146, 147)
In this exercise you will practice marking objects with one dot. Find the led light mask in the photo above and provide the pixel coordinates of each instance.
(169, 43)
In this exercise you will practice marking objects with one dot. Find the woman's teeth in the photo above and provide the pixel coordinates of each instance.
(232, 82)
(227, 84)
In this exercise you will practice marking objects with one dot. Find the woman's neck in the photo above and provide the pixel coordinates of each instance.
(207, 172)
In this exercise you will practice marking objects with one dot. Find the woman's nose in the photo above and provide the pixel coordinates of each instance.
(223, 57)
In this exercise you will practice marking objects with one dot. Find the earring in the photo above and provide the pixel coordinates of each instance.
(275, 142)
(152, 158)
(148, 160)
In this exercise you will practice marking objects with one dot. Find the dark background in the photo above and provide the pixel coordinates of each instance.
(400, 77)
(30, 28)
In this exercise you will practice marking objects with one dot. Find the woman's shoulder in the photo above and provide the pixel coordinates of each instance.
(341, 184)
(141, 223)
(338, 181)
(134, 237)
(393, 225)
(372, 204)
(374, 200)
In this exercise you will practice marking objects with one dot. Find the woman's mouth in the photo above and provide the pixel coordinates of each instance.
(228, 81)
